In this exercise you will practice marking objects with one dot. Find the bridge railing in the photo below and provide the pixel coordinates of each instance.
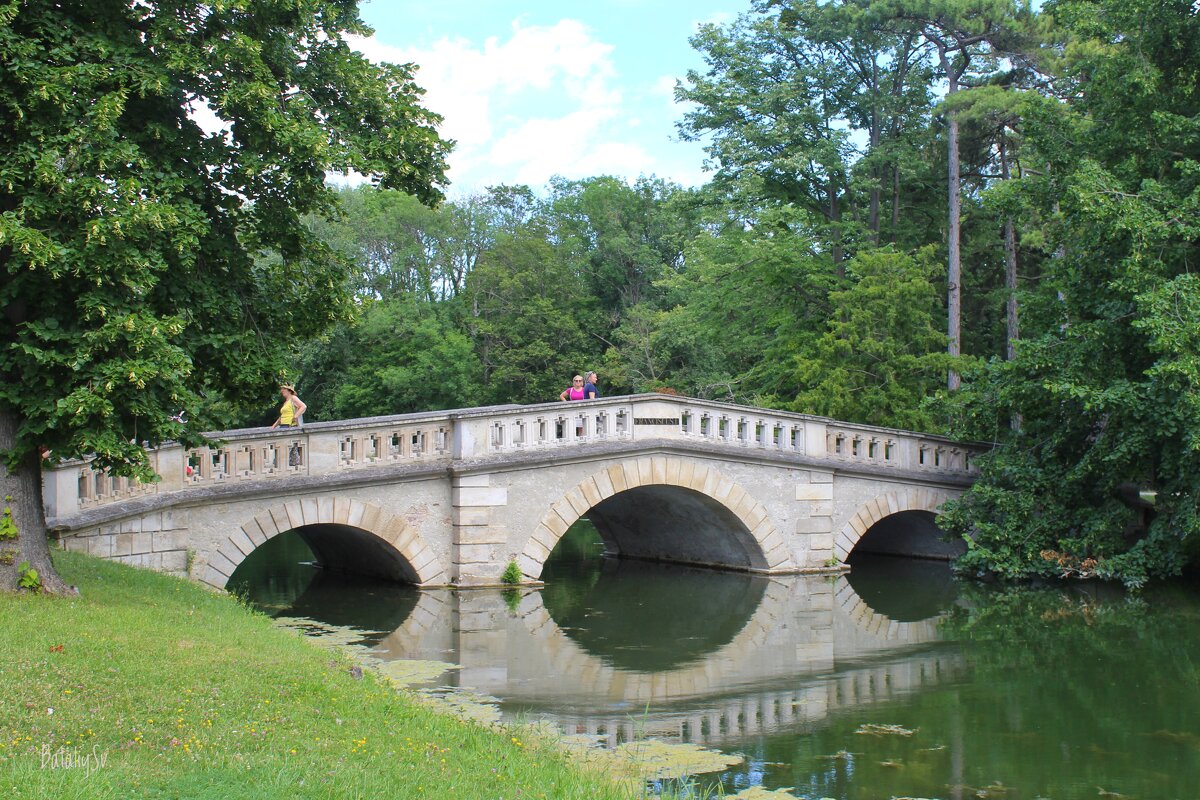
(258, 455)
(488, 432)
(499, 432)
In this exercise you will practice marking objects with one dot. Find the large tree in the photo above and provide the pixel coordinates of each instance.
(411, 360)
(1101, 476)
(968, 37)
(805, 102)
(624, 237)
(531, 318)
(131, 237)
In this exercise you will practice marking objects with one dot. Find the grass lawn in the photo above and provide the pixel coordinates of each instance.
(150, 686)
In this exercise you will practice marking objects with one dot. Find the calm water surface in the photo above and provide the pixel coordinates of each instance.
(893, 681)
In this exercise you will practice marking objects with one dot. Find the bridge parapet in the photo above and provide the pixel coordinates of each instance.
(440, 439)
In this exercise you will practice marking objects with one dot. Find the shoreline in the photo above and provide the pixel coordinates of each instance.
(172, 690)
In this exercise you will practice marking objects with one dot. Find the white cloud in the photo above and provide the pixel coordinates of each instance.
(544, 101)
(566, 146)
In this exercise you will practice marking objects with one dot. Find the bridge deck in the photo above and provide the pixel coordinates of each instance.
(479, 437)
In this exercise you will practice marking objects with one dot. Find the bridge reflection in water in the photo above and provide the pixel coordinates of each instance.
(636, 649)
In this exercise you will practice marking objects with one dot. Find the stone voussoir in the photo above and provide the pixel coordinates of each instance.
(295, 514)
(308, 511)
(616, 476)
(267, 525)
(357, 510)
(604, 484)
(242, 542)
(591, 492)
(280, 518)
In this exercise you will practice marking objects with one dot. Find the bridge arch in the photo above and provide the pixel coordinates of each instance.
(882, 507)
(761, 544)
(382, 532)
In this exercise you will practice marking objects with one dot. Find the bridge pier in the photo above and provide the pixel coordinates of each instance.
(479, 541)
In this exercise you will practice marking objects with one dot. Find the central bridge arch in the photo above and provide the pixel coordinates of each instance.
(343, 533)
(668, 509)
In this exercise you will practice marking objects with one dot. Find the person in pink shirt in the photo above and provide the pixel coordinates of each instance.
(574, 391)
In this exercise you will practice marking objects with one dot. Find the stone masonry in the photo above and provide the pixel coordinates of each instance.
(451, 498)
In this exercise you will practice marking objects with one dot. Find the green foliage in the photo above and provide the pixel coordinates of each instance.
(512, 574)
(753, 291)
(624, 237)
(1106, 379)
(788, 86)
(530, 341)
(881, 353)
(28, 578)
(130, 237)
(403, 356)
(8, 527)
(401, 247)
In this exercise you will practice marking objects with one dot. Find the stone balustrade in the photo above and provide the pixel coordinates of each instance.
(439, 439)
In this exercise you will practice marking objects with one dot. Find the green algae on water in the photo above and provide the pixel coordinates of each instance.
(334, 637)
(463, 704)
(759, 793)
(651, 759)
(405, 673)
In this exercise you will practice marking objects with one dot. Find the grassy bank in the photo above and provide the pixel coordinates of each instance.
(150, 686)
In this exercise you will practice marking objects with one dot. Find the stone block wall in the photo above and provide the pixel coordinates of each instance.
(158, 540)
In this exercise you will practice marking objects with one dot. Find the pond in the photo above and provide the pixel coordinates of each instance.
(895, 680)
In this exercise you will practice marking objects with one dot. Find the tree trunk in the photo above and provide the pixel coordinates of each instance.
(953, 246)
(876, 177)
(1012, 330)
(1012, 323)
(895, 201)
(954, 267)
(835, 216)
(24, 487)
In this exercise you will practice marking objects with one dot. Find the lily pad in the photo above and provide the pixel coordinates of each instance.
(873, 729)
(759, 793)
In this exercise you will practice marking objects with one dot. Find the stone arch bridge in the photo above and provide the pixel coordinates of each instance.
(450, 498)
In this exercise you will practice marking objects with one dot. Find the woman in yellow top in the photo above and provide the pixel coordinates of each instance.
(291, 413)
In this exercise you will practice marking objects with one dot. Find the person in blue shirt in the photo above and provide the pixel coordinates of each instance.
(590, 392)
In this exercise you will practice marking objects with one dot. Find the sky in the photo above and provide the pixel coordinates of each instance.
(535, 89)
